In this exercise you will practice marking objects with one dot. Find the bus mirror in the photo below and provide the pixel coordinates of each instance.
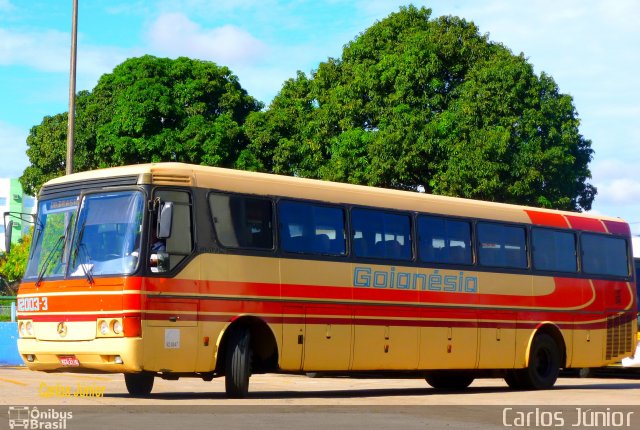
(165, 217)
(7, 236)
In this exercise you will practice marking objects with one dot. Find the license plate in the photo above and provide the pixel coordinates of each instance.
(69, 360)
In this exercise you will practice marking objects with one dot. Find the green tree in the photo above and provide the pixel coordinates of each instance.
(147, 110)
(416, 101)
(14, 263)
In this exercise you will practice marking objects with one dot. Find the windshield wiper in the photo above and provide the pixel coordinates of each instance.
(48, 260)
(61, 240)
(88, 266)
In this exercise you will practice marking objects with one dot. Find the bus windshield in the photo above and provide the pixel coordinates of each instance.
(106, 238)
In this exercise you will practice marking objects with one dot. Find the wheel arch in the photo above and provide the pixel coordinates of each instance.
(555, 333)
(263, 344)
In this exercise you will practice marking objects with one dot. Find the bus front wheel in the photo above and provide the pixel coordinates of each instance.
(543, 369)
(450, 381)
(238, 364)
(139, 384)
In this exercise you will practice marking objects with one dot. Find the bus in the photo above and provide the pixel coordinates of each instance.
(172, 270)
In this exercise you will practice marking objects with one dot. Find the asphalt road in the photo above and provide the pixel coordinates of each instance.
(300, 402)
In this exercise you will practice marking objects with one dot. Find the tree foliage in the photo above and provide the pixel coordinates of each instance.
(412, 102)
(415, 101)
(14, 263)
(147, 110)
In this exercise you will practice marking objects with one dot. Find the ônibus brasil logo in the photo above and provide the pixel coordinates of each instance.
(31, 418)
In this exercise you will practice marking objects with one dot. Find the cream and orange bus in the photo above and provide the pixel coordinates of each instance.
(172, 270)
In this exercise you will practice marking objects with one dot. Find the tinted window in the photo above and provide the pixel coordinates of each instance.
(379, 234)
(604, 255)
(242, 222)
(554, 250)
(311, 229)
(501, 245)
(444, 240)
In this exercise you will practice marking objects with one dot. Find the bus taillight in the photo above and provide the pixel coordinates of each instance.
(132, 327)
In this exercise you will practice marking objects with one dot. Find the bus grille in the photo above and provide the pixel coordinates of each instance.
(619, 336)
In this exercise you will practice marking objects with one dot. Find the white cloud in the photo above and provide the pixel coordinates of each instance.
(616, 185)
(13, 143)
(174, 34)
(47, 50)
(621, 191)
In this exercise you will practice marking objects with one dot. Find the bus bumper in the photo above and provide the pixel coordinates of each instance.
(113, 355)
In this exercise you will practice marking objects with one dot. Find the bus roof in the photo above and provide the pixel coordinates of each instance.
(188, 175)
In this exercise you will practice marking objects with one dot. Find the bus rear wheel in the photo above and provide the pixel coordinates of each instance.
(139, 384)
(543, 369)
(450, 381)
(238, 364)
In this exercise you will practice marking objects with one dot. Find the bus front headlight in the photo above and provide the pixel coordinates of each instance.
(103, 327)
(25, 328)
(116, 326)
(29, 328)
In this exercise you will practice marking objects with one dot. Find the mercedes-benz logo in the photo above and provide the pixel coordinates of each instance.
(62, 329)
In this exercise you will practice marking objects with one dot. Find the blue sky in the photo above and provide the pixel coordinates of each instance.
(589, 47)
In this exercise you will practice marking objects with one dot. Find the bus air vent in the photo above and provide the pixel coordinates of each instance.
(619, 341)
(164, 179)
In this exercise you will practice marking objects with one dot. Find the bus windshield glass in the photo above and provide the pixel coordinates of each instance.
(50, 238)
(106, 239)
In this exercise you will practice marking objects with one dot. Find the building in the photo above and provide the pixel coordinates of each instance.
(13, 199)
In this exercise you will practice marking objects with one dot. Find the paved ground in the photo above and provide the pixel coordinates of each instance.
(297, 401)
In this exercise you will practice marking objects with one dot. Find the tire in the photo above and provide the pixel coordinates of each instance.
(544, 364)
(238, 364)
(139, 384)
(514, 379)
(449, 381)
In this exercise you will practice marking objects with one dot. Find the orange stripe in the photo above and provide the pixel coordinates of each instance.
(547, 219)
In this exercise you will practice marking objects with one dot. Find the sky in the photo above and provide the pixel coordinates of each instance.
(589, 47)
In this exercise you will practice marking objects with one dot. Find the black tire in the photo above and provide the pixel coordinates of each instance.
(514, 379)
(544, 364)
(238, 364)
(449, 381)
(139, 384)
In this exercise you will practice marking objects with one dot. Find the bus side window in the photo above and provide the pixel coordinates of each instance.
(242, 222)
(554, 250)
(381, 234)
(444, 240)
(604, 255)
(308, 228)
(502, 245)
(179, 244)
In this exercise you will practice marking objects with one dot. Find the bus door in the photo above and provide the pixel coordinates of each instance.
(172, 303)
